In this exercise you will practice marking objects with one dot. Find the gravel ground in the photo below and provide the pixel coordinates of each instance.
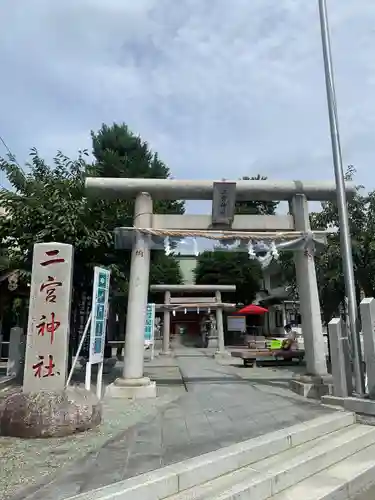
(26, 463)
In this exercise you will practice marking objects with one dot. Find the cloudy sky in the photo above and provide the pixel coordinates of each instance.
(220, 88)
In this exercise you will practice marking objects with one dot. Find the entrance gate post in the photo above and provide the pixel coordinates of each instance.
(166, 324)
(308, 295)
(133, 383)
(219, 324)
(138, 291)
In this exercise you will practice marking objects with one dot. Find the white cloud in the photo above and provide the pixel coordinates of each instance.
(218, 88)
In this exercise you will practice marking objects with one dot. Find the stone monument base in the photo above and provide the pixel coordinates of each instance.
(49, 413)
(312, 386)
(140, 388)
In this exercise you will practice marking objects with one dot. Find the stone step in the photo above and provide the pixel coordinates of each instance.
(342, 481)
(170, 480)
(261, 480)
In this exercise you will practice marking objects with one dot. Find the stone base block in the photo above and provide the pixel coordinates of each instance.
(213, 343)
(312, 387)
(49, 413)
(357, 405)
(166, 353)
(222, 355)
(176, 341)
(142, 388)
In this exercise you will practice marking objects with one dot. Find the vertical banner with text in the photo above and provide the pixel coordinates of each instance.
(46, 358)
(98, 327)
(150, 325)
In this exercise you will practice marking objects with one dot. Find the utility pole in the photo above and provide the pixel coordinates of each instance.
(345, 239)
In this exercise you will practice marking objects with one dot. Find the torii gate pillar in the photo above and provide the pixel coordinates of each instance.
(308, 295)
(133, 384)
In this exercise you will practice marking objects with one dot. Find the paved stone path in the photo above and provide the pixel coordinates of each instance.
(220, 408)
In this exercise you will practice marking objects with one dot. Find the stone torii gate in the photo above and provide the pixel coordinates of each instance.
(179, 303)
(146, 223)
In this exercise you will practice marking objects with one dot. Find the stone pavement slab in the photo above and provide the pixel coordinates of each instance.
(220, 408)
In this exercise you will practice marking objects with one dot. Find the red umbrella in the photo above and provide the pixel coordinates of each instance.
(252, 309)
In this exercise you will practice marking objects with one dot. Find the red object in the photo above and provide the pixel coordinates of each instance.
(252, 309)
(45, 327)
(52, 253)
(38, 367)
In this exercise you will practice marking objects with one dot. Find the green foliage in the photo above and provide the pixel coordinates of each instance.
(120, 153)
(4, 260)
(235, 268)
(329, 262)
(230, 268)
(47, 203)
(164, 269)
(256, 207)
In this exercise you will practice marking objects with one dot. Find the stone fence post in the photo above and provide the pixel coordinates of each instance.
(341, 369)
(16, 352)
(367, 308)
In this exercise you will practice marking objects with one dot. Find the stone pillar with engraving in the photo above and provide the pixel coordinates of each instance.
(308, 295)
(223, 203)
(133, 384)
(46, 407)
(47, 340)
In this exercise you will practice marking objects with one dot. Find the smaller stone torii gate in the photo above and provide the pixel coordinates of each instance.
(180, 303)
(223, 224)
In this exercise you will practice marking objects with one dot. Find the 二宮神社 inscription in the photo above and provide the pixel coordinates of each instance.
(223, 202)
(49, 316)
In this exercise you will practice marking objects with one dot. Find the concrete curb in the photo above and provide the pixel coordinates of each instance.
(5, 381)
(360, 406)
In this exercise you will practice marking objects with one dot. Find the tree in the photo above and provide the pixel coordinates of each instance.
(361, 209)
(230, 268)
(48, 203)
(120, 153)
(256, 207)
(235, 267)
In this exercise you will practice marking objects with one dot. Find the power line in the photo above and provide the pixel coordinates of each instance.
(6, 146)
(13, 157)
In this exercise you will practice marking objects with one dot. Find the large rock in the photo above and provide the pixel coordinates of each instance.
(49, 413)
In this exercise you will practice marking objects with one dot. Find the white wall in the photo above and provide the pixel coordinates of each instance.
(187, 265)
